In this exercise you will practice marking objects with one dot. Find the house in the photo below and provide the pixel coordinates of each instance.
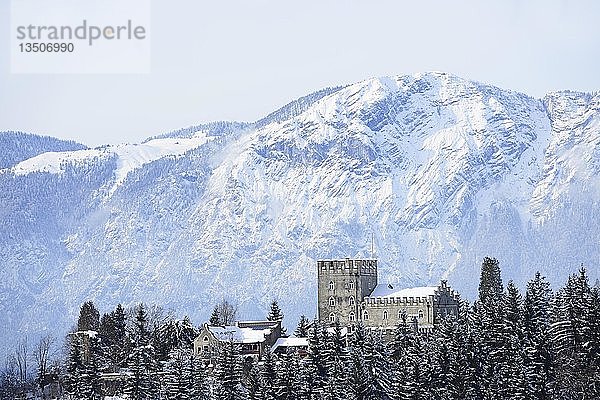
(348, 292)
(291, 345)
(253, 337)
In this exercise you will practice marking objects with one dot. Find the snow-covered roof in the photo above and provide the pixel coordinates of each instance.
(291, 341)
(253, 334)
(384, 290)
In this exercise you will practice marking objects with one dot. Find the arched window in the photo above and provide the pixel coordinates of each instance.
(351, 285)
(385, 314)
(331, 285)
(420, 314)
(332, 301)
(205, 347)
(365, 315)
(332, 317)
(351, 317)
(351, 300)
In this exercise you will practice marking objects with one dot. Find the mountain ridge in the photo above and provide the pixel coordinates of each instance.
(443, 171)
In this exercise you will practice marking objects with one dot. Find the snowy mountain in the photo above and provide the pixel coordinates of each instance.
(443, 171)
(19, 146)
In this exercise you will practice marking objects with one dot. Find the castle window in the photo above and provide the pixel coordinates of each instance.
(385, 315)
(400, 313)
(332, 301)
(332, 317)
(351, 285)
(351, 300)
(205, 338)
(420, 314)
(331, 285)
(351, 317)
(365, 315)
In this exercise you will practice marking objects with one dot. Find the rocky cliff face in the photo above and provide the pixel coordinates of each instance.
(442, 171)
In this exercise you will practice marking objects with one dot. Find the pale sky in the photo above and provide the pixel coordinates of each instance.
(240, 60)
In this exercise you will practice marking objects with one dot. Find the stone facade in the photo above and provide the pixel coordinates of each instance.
(348, 292)
(342, 285)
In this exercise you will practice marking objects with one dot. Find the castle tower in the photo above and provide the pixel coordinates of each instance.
(342, 285)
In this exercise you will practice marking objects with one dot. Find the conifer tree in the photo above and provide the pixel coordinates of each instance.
(114, 343)
(177, 375)
(120, 340)
(489, 310)
(360, 383)
(275, 314)
(268, 376)
(444, 352)
(75, 366)
(380, 367)
(511, 372)
(309, 384)
(89, 379)
(335, 345)
(143, 383)
(469, 359)
(199, 385)
(302, 328)
(173, 335)
(574, 339)
(228, 373)
(337, 384)
(214, 317)
(490, 282)
(415, 373)
(89, 317)
(539, 363)
(317, 355)
(286, 384)
(403, 337)
(254, 383)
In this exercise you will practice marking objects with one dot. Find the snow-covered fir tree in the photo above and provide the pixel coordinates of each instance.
(143, 382)
(177, 375)
(539, 359)
(302, 328)
(174, 334)
(507, 346)
(199, 384)
(275, 314)
(228, 373)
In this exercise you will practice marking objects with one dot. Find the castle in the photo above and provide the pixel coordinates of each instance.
(348, 292)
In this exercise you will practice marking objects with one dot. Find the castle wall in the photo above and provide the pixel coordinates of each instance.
(339, 281)
(422, 308)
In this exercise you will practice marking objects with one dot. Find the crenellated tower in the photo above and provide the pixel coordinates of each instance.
(342, 286)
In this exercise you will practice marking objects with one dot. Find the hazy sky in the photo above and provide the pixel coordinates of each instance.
(240, 60)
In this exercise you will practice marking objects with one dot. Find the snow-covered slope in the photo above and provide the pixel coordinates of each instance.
(19, 146)
(128, 156)
(443, 171)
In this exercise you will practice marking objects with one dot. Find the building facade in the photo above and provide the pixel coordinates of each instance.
(348, 292)
(253, 337)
